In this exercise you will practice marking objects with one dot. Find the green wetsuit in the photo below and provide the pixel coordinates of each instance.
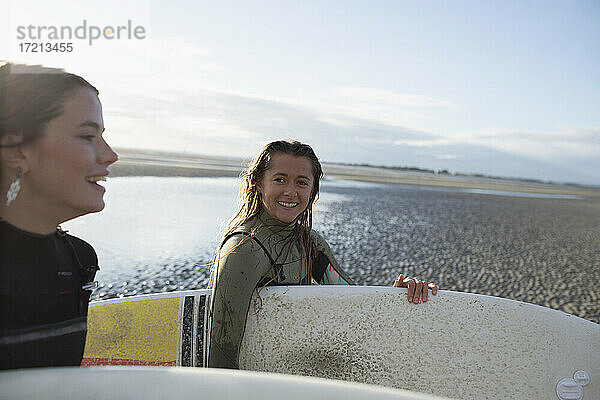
(243, 269)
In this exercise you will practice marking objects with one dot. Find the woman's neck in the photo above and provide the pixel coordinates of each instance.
(17, 215)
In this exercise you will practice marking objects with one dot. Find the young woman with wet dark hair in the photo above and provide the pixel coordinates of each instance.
(52, 156)
(271, 241)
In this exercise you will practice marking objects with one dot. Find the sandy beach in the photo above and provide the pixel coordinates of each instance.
(137, 163)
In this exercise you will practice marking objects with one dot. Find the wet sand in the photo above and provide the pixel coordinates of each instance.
(538, 250)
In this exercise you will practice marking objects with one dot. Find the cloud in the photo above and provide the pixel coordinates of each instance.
(561, 143)
(391, 98)
(425, 142)
(447, 157)
(242, 119)
(382, 106)
(174, 54)
(339, 106)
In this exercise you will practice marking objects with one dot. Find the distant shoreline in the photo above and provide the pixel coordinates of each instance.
(147, 163)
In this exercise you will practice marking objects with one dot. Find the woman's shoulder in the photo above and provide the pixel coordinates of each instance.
(318, 240)
(238, 239)
(246, 238)
(84, 250)
(241, 244)
(240, 252)
(315, 235)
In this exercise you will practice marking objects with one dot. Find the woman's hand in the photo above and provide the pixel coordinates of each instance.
(417, 288)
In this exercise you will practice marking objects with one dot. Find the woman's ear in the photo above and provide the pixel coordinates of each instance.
(11, 153)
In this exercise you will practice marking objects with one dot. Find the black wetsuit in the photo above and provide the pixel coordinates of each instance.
(43, 308)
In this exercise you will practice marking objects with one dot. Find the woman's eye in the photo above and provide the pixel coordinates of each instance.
(279, 180)
(302, 183)
(88, 137)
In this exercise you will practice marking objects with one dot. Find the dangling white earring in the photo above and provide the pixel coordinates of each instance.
(14, 188)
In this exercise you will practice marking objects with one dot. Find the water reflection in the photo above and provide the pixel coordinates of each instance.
(157, 223)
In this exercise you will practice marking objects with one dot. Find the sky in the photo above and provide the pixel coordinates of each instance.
(506, 88)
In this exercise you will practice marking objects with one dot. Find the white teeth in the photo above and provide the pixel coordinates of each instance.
(289, 205)
(94, 179)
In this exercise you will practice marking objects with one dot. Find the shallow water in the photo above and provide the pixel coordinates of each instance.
(156, 228)
(155, 233)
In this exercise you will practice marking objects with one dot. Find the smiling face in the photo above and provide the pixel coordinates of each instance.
(286, 186)
(66, 162)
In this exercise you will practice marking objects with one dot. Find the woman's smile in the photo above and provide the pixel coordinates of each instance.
(287, 205)
(95, 179)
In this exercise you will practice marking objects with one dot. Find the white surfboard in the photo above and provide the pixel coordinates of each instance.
(457, 345)
(160, 383)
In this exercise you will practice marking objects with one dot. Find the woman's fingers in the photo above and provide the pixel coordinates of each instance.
(411, 288)
(434, 288)
(418, 291)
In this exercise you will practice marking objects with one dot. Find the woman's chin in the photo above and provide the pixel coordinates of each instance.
(283, 214)
(284, 218)
(92, 207)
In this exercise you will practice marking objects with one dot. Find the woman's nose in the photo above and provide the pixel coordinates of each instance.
(108, 155)
(290, 190)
